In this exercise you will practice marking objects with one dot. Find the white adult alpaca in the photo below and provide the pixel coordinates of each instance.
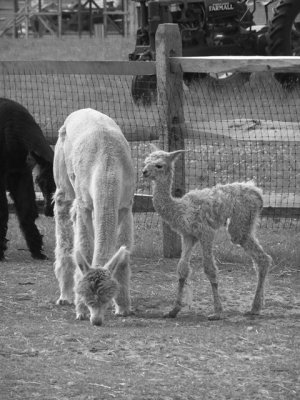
(93, 171)
(196, 217)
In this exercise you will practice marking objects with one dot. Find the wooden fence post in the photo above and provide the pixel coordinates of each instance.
(170, 101)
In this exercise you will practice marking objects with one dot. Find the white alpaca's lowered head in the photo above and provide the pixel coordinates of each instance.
(99, 286)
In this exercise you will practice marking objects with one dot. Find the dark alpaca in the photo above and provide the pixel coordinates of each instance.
(22, 146)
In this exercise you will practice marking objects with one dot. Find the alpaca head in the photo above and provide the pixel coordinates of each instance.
(98, 286)
(44, 179)
(46, 183)
(159, 164)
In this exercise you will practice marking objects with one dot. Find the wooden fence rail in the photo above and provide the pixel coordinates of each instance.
(78, 67)
(230, 64)
(173, 130)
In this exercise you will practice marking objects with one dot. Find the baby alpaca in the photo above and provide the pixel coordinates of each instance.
(94, 175)
(96, 288)
(196, 217)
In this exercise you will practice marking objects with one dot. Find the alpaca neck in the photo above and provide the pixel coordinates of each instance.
(164, 203)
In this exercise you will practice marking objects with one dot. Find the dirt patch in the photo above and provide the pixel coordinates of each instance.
(46, 354)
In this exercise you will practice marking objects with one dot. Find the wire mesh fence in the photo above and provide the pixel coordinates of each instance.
(243, 127)
(257, 125)
(50, 98)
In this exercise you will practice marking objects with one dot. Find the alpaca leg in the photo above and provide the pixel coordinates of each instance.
(122, 301)
(122, 274)
(83, 231)
(3, 218)
(263, 262)
(80, 307)
(183, 271)
(82, 225)
(211, 272)
(64, 264)
(20, 186)
(125, 230)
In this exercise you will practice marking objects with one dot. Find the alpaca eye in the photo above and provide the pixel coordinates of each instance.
(158, 166)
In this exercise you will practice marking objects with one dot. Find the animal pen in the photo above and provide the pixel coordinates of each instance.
(232, 132)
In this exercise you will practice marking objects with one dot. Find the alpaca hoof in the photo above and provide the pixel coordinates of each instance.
(125, 313)
(81, 317)
(252, 313)
(214, 317)
(39, 256)
(171, 314)
(63, 302)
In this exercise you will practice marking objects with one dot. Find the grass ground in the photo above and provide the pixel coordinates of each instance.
(46, 354)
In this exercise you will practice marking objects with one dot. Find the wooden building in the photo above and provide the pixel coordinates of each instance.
(60, 17)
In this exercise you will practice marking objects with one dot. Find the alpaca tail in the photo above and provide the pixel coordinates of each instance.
(257, 202)
(258, 193)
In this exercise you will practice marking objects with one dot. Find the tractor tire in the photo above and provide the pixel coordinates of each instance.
(284, 37)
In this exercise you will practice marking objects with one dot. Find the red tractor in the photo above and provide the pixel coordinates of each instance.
(218, 27)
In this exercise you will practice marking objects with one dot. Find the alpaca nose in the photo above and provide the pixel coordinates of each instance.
(97, 315)
(96, 321)
(145, 173)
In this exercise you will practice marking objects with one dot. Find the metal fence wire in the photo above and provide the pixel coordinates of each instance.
(257, 126)
(244, 127)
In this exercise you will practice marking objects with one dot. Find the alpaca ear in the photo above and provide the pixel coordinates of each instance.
(120, 257)
(174, 155)
(82, 262)
(153, 147)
